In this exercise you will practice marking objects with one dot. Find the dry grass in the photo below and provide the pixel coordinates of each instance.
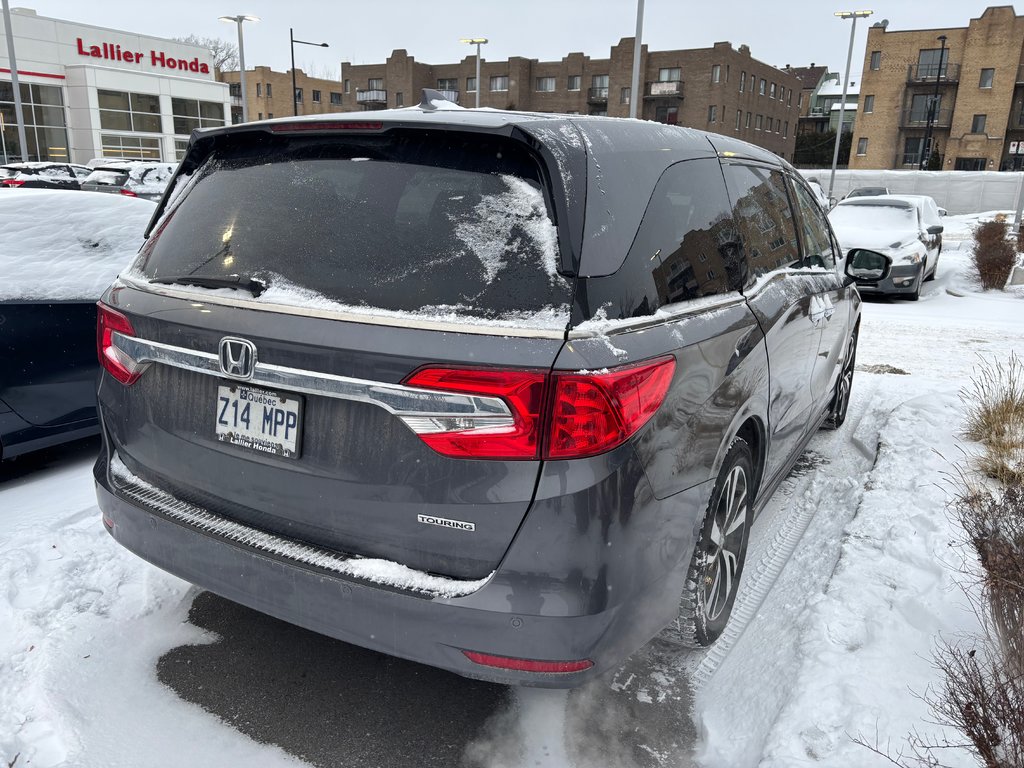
(994, 404)
(994, 255)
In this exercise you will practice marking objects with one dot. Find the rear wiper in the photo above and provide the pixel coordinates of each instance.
(255, 287)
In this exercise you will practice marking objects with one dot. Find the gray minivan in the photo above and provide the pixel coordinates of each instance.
(493, 391)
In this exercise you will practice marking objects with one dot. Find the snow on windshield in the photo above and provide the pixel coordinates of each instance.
(491, 234)
(62, 245)
(877, 217)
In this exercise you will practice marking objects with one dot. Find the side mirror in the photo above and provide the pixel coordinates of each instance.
(864, 266)
(937, 229)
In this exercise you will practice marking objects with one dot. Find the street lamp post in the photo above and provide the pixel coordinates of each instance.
(846, 82)
(19, 114)
(477, 41)
(241, 59)
(634, 89)
(933, 108)
(293, 41)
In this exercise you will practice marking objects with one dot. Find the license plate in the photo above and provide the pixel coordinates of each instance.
(258, 419)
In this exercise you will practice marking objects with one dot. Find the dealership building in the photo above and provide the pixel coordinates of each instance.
(90, 92)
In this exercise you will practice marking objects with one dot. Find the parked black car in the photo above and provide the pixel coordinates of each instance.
(492, 391)
(43, 175)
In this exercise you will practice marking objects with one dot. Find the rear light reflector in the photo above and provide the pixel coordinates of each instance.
(528, 665)
(116, 362)
(594, 412)
(128, 192)
(499, 436)
(12, 182)
(348, 125)
(580, 413)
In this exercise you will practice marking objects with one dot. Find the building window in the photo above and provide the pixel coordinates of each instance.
(447, 83)
(978, 124)
(270, 115)
(746, 123)
(667, 115)
(862, 146)
(138, 112)
(598, 113)
(969, 164)
(316, 97)
(869, 103)
(762, 87)
(789, 101)
(234, 89)
(335, 98)
(739, 118)
(771, 91)
(375, 84)
(624, 95)
(716, 73)
(876, 60)
(743, 81)
(669, 75)
(190, 114)
(298, 95)
(259, 90)
(181, 146)
(259, 116)
(270, 91)
(129, 147)
(46, 136)
(471, 84)
(932, 63)
(545, 84)
(499, 82)
(759, 122)
(800, 100)
(785, 129)
(348, 86)
(712, 114)
(768, 125)
(399, 99)
(574, 82)
(987, 76)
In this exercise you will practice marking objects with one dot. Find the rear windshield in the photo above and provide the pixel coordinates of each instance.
(107, 178)
(433, 223)
(874, 216)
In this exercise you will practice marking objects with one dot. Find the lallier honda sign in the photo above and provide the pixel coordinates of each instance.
(158, 59)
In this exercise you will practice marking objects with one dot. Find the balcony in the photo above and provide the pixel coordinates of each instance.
(927, 73)
(597, 95)
(818, 112)
(918, 118)
(664, 89)
(375, 97)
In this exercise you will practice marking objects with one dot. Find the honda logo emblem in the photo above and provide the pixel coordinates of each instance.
(237, 358)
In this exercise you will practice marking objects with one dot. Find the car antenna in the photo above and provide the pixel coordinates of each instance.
(431, 97)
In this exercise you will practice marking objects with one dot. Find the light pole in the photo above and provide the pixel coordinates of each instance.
(18, 113)
(241, 59)
(477, 41)
(933, 108)
(293, 41)
(846, 82)
(634, 88)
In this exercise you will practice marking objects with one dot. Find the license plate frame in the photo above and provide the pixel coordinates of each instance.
(243, 429)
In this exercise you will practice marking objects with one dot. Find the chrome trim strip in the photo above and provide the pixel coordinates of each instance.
(397, 399)
(384, 572)
(663, 316)
(414, 323)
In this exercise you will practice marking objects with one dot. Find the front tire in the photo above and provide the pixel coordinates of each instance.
(713, 579)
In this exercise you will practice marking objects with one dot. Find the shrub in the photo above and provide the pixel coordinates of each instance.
(994, 405)
(994, 255)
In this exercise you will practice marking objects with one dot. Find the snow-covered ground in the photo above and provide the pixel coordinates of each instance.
(849, 584)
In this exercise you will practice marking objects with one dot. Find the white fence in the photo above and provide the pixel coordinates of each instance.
(956, 191)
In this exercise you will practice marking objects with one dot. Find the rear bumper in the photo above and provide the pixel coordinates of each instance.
(516, 613)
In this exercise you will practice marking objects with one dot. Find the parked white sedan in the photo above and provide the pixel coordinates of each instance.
(906, 228)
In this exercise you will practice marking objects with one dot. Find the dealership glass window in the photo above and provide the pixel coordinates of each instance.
(869, 103)
(316, 97)
(876, 60)
(181, 146)
(129, 147)
(545, 84)
(716, 73)
(335, 98)
(499, 82)
(574, 82)
(669, 75)
(123, 111)
(978, 124)
(45, 131)
(190, 114)
(862, 145)
(471, 84)
(987, 76)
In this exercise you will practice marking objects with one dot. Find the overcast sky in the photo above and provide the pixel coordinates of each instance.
(795, 32)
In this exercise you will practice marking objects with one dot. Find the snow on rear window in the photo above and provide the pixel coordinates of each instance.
(61, 245)
(874, 217)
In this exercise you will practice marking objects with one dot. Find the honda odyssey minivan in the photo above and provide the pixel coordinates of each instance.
(497, 392)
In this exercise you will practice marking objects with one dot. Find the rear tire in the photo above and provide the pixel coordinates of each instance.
(713, 579)
(844, 385)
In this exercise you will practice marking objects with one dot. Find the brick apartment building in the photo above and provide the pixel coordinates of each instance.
(978, 122)
(718, 89)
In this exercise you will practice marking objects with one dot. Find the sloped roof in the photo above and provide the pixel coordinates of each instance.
(809, 77)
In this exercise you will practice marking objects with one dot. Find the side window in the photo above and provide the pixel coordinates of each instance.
(814, 232)
(686, 247)
(763, 217)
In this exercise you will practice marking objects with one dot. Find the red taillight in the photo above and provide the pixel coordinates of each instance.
(12, 182)
(528, 665)
(593, 412)
(522, 391)
(127, 192)
(589, 412)
(348, 125)
(114, 361)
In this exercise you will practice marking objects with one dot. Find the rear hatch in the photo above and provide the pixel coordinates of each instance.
(391, 267)
(105, 180)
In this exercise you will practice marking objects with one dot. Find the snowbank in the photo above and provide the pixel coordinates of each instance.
(61, 245)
